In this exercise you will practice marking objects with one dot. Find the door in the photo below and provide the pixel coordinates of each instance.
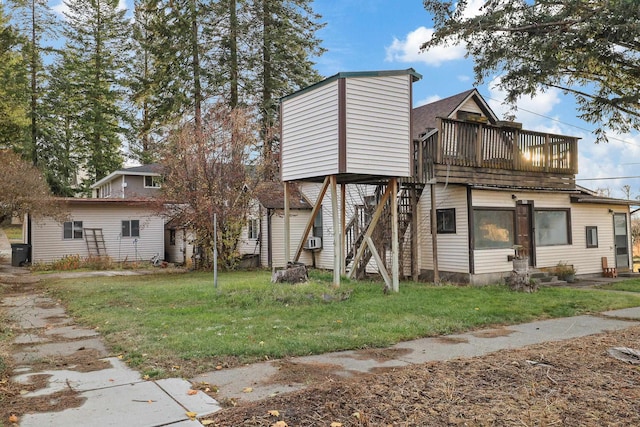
(523, 230)
(621, 239)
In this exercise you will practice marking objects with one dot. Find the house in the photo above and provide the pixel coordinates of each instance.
(123, 229)
(128, 183)
(122, 221)
(264, 231)
(471, 193)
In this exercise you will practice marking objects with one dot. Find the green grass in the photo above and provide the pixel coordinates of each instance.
(13, 232)
(181, 322)
(632, 285)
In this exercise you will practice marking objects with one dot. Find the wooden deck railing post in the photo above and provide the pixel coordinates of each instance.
(547, 153)
(439, 144)
(478, 142)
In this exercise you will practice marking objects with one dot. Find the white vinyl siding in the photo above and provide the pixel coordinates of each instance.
(182, 251)
(245, 244)
(297, 222)
(48, 243)
(378, 125)
(310, 133)
(471, 106)
(453, 248)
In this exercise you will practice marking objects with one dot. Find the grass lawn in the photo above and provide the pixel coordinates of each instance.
(627, 285)
(181, 325)
(13, 232)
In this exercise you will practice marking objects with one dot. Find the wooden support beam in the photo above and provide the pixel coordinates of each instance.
(415, 270)
(287, 249)
(395, 236)
(336, 232)
(376, 256)
(434, 235)
(370, 228)
(343, 230)
(314, 213)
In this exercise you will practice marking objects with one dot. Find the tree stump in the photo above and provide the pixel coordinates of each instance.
(521, 282)
(294, 273)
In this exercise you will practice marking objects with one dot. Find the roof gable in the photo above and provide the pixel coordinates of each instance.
(424, 117)
(271, 196)
(152, 169)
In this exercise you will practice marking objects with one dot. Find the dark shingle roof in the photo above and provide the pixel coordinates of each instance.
(150, 168)
(424, 117)
(271, 196)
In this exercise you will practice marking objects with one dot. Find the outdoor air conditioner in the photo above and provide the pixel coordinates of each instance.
(314, 243)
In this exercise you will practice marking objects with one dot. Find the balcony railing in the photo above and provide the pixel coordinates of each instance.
(479, 145)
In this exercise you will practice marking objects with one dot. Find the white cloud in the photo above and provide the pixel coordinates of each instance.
(541, 104)
(464, 78)
(408, 50)
(428, 100)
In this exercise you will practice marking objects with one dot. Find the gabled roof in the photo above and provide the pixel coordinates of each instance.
(152, 169)
(424, 117)
(271, 196)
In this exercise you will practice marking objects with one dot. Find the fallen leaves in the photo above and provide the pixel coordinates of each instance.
(274, 413)
(13, 418)
(192, 415)
(279, 424)
(191, 392)
(247, 390)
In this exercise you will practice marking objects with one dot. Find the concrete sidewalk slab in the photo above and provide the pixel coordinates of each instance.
(178, 389)
(119, 374)
(625, 313)
(37, 352)
(142, 404)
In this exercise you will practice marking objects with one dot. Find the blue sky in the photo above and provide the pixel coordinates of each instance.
(386, 34)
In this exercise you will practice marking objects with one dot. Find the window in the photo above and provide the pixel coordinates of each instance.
(493, 229)
(151, 181)
(131, 228)
(552, 227)
(592, 237)
(446, 220)
(72, 230)
(317, 224)
(252, 232)
(172, 237)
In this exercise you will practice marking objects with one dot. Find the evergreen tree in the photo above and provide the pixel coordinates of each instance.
(96, 35)
(13, 84)
(35, 22)
(285, 31)
(589, 49)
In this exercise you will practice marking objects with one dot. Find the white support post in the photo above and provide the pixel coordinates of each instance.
(395, 245)
(336, 232)
(343, 229)
(287, 250)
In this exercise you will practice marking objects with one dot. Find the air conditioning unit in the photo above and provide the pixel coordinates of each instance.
(314, 243)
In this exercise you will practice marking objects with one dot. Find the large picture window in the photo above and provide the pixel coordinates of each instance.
(493, 228)
(131, 228)
(552, 227)
(73, 230)
(446, 220)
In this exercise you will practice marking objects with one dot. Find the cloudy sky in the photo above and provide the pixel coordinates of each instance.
(386, 34)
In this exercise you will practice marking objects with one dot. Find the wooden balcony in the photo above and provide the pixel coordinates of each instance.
(482, 154)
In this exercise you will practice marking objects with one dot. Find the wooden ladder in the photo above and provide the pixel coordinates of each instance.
(95, 242)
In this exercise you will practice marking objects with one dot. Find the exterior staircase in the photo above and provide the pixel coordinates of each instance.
(381, 236)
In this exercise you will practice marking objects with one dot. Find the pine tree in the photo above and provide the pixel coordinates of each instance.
(36, 23)
(13, 84)
(96, 33)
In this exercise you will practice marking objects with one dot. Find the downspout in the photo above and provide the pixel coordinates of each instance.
(472, 265)
(269, 238)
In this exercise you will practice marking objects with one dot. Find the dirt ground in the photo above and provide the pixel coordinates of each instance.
(568, 383)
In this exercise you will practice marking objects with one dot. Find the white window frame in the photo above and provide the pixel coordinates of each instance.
(77, 231)
(252, 229)
(130, 228)
(155, 181)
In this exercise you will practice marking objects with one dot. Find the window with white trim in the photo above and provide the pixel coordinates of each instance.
(252, 229)
(152, 181)
(131, 228)
(72, 230)
(552, 227)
